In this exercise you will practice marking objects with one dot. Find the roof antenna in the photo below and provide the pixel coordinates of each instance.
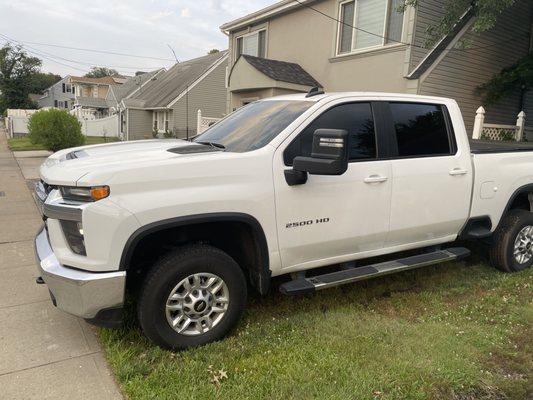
(173, 52)
(314, 91)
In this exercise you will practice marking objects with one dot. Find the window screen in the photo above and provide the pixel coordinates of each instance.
(356, 118)
(420, 129)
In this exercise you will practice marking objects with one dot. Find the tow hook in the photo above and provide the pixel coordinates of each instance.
(39, 281)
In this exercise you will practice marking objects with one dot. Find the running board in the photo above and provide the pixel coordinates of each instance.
(310, 284)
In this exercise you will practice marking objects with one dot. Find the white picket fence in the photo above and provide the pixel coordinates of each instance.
(203, 123)
(496, 131)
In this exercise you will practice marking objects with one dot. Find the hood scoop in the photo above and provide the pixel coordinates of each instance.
(193, 149)
(76, 154)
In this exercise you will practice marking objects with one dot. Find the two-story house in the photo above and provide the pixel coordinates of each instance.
(371, 45)
(90, 94)
(59, 95)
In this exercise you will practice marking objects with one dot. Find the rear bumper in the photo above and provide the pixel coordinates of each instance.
(81, 293)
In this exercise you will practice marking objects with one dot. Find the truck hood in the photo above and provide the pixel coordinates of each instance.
(67, 167)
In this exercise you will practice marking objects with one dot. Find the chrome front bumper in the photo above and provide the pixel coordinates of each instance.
(77, 292)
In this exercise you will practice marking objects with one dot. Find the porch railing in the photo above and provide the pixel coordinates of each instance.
(496, 131)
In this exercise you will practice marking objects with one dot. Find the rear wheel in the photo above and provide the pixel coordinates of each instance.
(512, 250)
(194, 295)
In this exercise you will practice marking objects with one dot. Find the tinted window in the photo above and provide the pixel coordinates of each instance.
(254, 125)
(356, 118)
(420, 129)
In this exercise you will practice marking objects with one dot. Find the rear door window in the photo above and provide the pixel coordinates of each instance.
(421, 129)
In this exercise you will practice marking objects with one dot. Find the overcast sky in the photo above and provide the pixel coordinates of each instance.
(143, 28)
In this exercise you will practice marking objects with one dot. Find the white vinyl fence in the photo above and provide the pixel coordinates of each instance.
(17, 122)
(105, 127)
(496, 131)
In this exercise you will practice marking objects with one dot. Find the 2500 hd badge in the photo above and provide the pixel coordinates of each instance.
(306, 223)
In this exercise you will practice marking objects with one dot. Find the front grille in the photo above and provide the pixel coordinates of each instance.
(42, 190)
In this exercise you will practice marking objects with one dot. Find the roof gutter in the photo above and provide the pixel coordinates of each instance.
(261, 15)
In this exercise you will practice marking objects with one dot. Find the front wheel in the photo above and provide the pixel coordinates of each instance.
(512, 250)
(193, 296)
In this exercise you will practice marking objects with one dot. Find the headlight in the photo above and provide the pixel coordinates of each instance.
(73, 231)
(85, 193)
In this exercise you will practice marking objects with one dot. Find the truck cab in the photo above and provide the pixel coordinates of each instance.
(282, 186)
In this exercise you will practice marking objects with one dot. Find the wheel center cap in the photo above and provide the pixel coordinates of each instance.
(200, 306)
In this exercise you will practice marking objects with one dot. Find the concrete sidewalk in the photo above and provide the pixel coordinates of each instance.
(45, 353)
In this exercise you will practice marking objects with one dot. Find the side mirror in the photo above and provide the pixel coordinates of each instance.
(329, 156)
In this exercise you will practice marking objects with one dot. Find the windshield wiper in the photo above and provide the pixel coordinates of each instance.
(213, 144)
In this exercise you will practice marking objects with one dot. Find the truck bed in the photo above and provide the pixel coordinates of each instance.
(493, 146)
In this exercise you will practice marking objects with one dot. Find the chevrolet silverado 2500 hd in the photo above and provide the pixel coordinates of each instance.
(283, 185)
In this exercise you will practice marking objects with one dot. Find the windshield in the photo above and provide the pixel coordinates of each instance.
(254, 125)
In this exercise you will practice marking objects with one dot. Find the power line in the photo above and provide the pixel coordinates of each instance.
(394, 40)
(49, 59)
(99, 51)
(69, 60)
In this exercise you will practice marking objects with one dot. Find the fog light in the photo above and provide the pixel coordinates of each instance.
(73, 231)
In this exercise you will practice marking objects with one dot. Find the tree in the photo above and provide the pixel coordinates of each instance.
(508, 80)
(55, 129)
(16, 71)
(213, 51)
(101, 72)
(40, 81)
(485, 11)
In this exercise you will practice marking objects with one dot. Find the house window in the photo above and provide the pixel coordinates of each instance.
(252, 44)
(369, 23)
(160, 121)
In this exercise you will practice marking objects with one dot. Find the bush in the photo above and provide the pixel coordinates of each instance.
(55, 129)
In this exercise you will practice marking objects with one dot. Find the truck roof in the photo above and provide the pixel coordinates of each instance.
(371, 95)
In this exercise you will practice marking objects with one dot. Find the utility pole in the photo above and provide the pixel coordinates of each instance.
(187, 111)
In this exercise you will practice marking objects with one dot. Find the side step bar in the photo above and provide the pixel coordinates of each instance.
(310, 284)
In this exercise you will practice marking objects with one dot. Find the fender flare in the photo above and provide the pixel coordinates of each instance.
(262, 275)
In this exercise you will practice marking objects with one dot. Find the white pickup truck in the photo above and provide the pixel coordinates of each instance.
(281, 186)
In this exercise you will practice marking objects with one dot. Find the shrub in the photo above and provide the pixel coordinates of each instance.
(55, 129)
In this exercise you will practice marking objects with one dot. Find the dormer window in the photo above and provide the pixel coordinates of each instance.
(252, 44)
(367, 24)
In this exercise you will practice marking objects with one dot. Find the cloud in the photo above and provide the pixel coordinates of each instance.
(134, 27)
(161, 14)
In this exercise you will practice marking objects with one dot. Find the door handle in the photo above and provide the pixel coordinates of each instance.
(375, 179)
(458, 171)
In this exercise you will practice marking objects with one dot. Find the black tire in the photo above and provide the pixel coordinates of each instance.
(502, 250)
(167, 273)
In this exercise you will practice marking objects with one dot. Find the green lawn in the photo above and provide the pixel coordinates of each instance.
(24, 143)
(454, 331)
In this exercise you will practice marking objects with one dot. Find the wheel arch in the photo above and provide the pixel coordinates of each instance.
(259, 272)
(518, 200)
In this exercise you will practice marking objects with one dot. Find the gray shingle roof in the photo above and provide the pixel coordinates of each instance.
(282, 71)
(131, 84)
(170, 84)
